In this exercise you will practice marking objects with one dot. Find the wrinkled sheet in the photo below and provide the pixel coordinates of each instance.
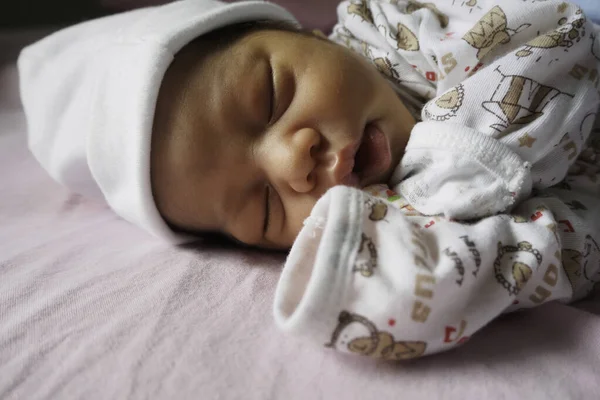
(93, 308)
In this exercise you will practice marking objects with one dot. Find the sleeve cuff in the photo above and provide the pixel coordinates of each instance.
(313, 283)
(445, 163)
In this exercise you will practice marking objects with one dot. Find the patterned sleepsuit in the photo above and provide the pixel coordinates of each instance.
(495, 205)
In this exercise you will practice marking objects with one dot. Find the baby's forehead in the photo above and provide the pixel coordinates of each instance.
(226, 36)
(223, 39)
(197, 111)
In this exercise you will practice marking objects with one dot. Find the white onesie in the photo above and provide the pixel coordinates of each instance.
(495, 205)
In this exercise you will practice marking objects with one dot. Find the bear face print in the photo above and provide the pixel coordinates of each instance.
(356, 334)
(514, 265)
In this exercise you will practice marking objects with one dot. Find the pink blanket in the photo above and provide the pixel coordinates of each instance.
(93, 308)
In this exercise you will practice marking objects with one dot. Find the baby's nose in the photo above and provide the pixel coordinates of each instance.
(304, 148)
(327, 160)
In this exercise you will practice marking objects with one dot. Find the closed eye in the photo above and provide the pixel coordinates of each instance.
(267, 210)
(283, 88)
(272, 96)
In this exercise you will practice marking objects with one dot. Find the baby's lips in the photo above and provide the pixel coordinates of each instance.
(374, 156)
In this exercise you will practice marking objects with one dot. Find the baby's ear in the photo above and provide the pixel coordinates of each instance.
(319, 33)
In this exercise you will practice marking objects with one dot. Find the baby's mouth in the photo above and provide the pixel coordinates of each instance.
(373, 157)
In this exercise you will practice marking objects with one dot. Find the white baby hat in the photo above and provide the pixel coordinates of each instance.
(89, 93)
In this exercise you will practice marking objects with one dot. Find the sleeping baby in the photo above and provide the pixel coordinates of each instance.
(429, 166)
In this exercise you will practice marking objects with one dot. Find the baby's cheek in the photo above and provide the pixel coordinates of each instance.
(296, 211)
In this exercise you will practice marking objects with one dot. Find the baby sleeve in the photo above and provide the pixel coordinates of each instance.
(371, 276)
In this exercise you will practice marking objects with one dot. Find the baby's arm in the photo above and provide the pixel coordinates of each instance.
(514, 95)
(373, 277)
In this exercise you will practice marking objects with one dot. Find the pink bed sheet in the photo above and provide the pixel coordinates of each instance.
(93, 308)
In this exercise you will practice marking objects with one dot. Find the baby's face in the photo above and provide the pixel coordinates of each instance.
(248, 138)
